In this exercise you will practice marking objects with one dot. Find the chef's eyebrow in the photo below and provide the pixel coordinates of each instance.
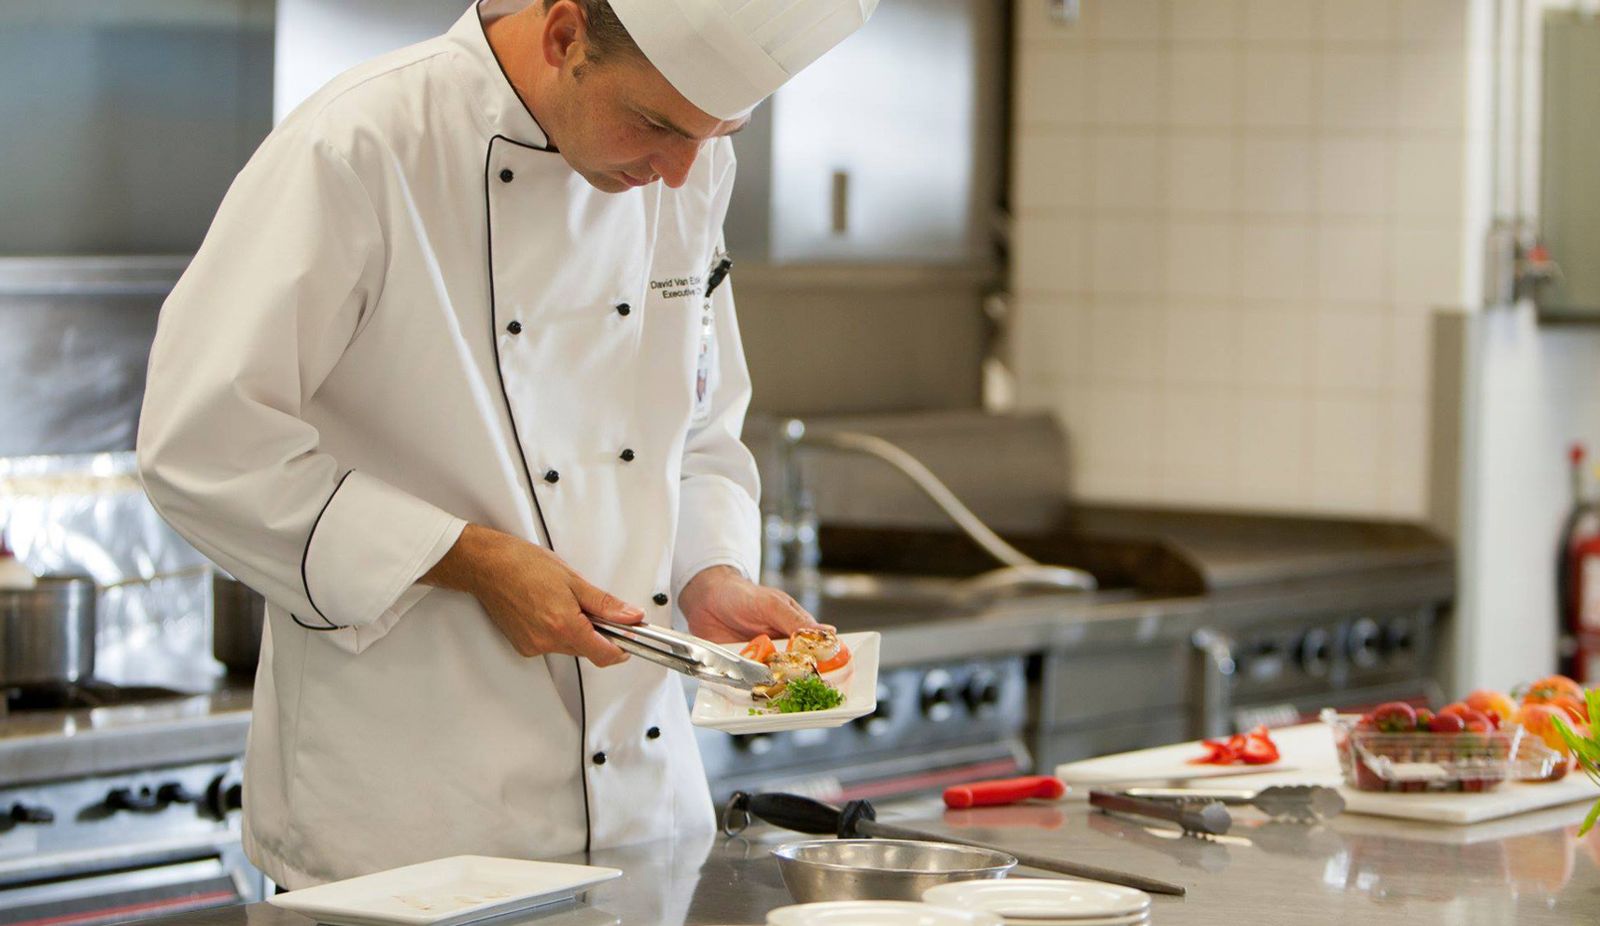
(673, 127)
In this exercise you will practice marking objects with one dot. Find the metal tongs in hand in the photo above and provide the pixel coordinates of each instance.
(682, 652)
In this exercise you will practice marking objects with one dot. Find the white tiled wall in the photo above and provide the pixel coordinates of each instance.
(1232, 218)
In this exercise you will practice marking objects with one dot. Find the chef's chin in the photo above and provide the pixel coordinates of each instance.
(606, 181)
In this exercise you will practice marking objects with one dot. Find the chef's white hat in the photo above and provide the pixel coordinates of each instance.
(725, 56)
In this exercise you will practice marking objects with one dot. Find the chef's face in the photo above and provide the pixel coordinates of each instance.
(621, 124)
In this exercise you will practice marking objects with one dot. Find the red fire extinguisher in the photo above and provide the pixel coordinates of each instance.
(1578, 581)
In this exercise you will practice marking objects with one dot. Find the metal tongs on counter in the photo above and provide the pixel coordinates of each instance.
(682, 652)
(1298, 803)
(1206, 811)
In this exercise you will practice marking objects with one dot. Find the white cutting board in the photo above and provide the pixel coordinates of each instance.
(1507, 800)
(1306, 750)
(1309, 758)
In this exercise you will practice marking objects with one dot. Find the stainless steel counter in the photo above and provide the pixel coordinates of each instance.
(53, 745)
(57, 744)
(1530, 870)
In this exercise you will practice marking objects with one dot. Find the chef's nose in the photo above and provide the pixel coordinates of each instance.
(674, 162)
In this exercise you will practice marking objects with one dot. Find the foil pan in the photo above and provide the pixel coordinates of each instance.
(87, 515)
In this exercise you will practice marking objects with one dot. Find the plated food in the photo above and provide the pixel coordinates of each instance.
(814, 694)
(800, 671)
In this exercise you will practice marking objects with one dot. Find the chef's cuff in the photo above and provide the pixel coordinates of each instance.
(727, 559)
(371, 543)
(719, 524)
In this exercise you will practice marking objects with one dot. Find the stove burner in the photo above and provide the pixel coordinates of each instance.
(82, 695)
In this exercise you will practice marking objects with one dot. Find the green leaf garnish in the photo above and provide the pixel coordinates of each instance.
(807, 694)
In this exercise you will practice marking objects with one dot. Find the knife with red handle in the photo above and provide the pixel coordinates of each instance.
(1004, 791)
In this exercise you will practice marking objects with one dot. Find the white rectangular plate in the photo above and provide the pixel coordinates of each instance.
(728, 709)
(443, 892)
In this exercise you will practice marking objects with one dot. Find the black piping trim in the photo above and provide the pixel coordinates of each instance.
(527, 471)
(478, 12)
(306, 554)
(296, 618)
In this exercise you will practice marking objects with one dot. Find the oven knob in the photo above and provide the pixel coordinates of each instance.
(174, 792)
(1398, 636)
(938, 695)
(1316, 652)
(1364, 642)
(141, 801)
(31, 813)
(982, 692)
(222, 797)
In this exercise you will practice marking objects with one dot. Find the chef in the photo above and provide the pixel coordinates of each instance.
(454, 370)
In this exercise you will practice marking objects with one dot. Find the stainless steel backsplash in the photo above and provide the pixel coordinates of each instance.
(75, 337)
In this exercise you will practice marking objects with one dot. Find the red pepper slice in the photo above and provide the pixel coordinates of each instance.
(1217, 753)
(1259, 751)
(1253, 748)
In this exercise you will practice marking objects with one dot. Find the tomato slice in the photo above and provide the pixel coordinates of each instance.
(839, 660)
(760, 649)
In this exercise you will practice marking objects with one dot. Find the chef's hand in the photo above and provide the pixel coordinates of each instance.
(534, 598)
(722, 606)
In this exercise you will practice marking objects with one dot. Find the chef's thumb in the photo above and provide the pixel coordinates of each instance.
(599, 603)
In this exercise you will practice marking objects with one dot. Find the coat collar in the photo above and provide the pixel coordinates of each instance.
(501, 109)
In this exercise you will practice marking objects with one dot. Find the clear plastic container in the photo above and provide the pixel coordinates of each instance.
(1421, 762)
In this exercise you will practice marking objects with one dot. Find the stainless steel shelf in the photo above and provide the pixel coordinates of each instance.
(137, 275)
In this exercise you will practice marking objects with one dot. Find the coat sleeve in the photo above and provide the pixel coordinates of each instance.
(283, 282)
(719, 519)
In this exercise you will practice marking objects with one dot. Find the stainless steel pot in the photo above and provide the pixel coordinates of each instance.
(237, 613)
(47, 632)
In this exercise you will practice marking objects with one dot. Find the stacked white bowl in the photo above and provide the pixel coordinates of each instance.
(1045, 902)
(1005, 902)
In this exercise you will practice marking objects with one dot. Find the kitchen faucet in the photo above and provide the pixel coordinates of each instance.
(792, 551)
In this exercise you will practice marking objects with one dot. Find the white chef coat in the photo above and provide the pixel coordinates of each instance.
(410, 313)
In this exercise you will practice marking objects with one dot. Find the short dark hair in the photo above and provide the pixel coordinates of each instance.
(606, 33)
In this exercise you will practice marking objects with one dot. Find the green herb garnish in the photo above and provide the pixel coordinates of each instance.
(1585, 746)
(807, 694)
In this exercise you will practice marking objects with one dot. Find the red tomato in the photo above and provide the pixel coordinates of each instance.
(1447, 723)
(1395, 717)
(839, 660)
(760, 649)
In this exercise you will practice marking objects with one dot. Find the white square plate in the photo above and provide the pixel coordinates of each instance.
(443, 892)
(728, 709)
(1041, 901)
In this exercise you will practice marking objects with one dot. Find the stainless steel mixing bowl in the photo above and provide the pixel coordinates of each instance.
(881, 869)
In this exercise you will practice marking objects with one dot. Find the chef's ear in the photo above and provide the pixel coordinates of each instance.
(564, 30)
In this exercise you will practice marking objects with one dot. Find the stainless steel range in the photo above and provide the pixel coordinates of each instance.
(118, 791)
(1202, 623)
(120, 804)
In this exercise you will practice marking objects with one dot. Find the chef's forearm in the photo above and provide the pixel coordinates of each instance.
(472, 561)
